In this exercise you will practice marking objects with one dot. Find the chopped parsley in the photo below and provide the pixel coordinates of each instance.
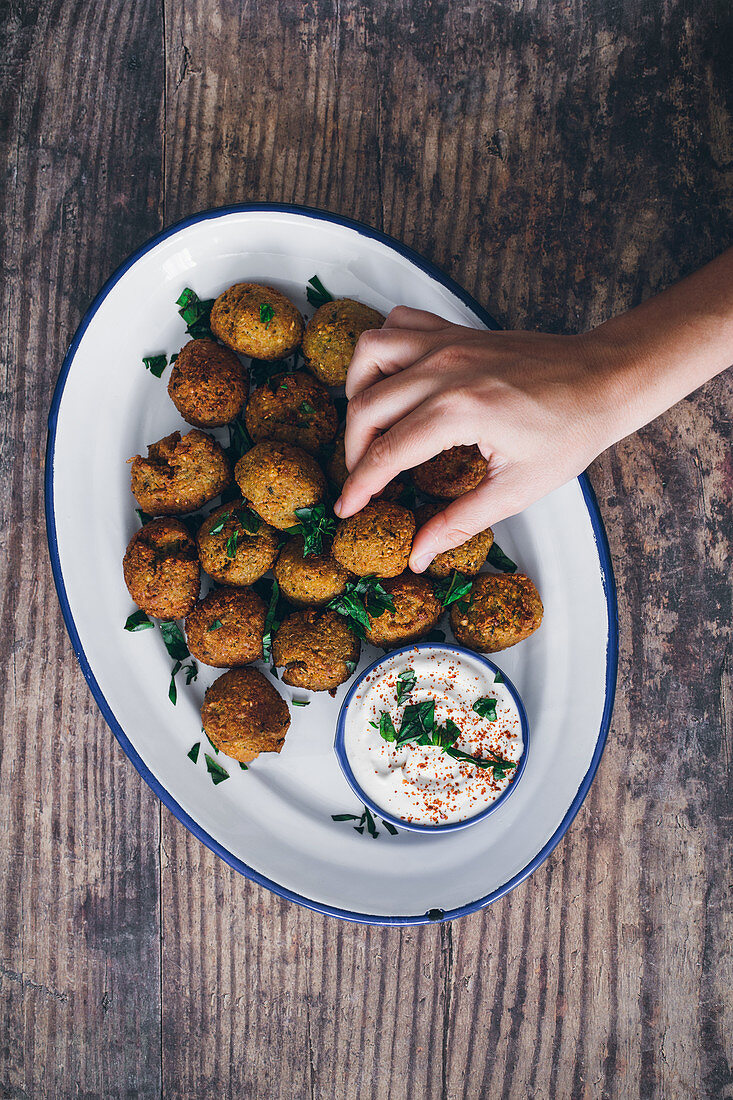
(361, 599)
(452, 588)
(193, 752)
(262, 370)
(269, 590)
(300, 702)
(191, 673)
(156, 364)
(215, 770)
(196, 313)
(216, 625)
(499, 560)
(138, 621)
(315, 524)
(419, 725)
(174, 641)
(266, 313)
(365, 821)
(232, 544)
(498, 679)
(239, 442)
(317, 293)
(307, 409)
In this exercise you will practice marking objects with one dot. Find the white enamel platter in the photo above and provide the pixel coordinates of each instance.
(273, 822)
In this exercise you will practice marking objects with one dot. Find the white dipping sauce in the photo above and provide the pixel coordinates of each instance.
(422, 783)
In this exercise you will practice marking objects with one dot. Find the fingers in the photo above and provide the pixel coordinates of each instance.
(375, 409)
(419, 320)
(383, 352)
(415, 438)
(496, 498)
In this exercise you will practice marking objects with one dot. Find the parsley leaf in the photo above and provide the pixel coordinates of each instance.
(498, 679)
(138, 621)
(196, 313)
(499, 560)
(315, 524)
(419, 725)
(405, 683)
(485, 708)
(266, 314)
(216, 625)
(193, 752)
(174, 641)
(361, 599)
(452, 588)
(239, 442)
(307, 409)
(156, 364)
(215, 770)
(317, 293)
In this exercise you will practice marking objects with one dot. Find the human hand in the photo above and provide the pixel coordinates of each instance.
(532, 403)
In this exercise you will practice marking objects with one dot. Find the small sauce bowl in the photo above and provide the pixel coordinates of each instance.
(343, 759)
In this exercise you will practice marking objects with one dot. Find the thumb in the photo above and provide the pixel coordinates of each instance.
(495, 499)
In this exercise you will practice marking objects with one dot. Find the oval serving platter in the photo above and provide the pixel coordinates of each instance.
(275, 822)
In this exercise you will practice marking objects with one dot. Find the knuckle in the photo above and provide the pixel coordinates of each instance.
(368, 341)
(381, 451)
(398, 314)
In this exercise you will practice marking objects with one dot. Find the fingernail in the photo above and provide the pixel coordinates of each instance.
(420, 563)
(338, 506)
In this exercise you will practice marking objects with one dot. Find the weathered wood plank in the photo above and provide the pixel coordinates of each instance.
(80, 87)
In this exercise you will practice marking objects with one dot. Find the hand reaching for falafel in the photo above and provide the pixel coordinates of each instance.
(539, 408)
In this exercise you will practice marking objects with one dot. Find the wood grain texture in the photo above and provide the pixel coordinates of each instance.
(563, 161)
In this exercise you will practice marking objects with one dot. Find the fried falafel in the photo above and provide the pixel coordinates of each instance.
(162, 570)
(257, 320)
(331, 337)
(451, 473)
(243, 715)
(292, 408)
(501, 611)
(207, 384)
(276, 478)
(225, 628)
(376, 540)
(309, 581)
(180, 474)
(417, 612)
(236, 546)
(467, 558)
(316, 649)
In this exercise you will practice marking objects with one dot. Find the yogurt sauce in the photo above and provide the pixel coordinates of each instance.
(422, 784)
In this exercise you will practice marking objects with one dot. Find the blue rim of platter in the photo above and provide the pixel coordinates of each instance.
(599, 534)
(343, 759)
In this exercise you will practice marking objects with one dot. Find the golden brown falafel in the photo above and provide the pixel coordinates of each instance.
(243, 715)
(257, 320)
(180, 474)
(235, 545)
(161, 569)
(417, 611)
(207, 384)
(338, 472)
(451, 473)
(225, 628)
(466, 558)
(501, 611)
(292, 408)
(317, 650)
(331, 336)
(376, 540)
(308, 581)
(276, 478)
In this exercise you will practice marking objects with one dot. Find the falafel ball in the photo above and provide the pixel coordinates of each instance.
(276, 478)
(307, 581)
(317, 650)
(417, 612)
(502, 610)
(243, 715)
(331, 336)
(257, 320)
(376, 540)
(337, 471)
(236, 546)
(292, 408)
(180, 474)
(451, 473)
(162, 570)
(207, 384)
(225, 628)
(466, 558)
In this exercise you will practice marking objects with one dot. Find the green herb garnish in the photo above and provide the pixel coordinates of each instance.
(210, 741)
(244, 767)
(361, 599)
(498, 679)
(156, 364)
(239, 442)
(300, 702)
(418, 725)
(314, 524)
(272, 621)
(307, 409)
(174, 641)
(485, 708)
(249, 520)
(262, 370)
(365, 821)
(266, 313)
(138, 621)
(452, 588)
(386, 727)
(191, 673)
(499, 560)
(317, 293)
(231, 545)
(196, 313)
(216, 625)
(405, 683)
(193, 752)
(143, 516)
(215, 770)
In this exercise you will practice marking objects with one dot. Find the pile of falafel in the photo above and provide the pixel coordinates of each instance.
(294, 461)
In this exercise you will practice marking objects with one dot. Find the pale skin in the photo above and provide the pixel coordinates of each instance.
(540, 408)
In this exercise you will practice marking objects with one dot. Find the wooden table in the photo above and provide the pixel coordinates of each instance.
(562, 161)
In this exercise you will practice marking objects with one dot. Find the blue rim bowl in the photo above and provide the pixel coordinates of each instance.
(378, 811)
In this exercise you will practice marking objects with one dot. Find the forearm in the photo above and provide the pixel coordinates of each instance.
(646, 360)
